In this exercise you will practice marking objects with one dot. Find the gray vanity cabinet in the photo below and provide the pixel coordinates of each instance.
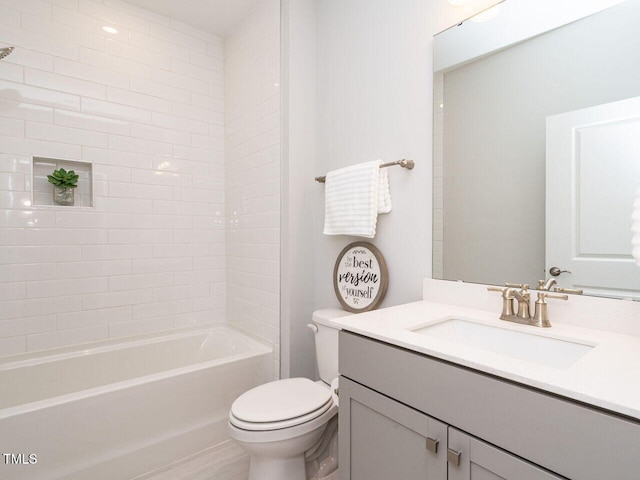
(388, 440)
(396, 405)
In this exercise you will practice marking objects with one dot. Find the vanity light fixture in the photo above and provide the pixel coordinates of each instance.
(110, 29)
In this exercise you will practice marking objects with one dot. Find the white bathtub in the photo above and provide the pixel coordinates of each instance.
(115, 410)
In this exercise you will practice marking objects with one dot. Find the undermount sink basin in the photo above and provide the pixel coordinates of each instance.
(551, 352)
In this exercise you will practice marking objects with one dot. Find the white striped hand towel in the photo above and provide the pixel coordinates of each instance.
(354, 196)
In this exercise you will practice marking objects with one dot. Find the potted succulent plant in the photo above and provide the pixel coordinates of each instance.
(63, 184)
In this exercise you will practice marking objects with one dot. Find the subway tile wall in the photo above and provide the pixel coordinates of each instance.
(252, 142)
(145, 107)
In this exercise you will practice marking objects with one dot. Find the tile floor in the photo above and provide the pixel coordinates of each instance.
(225, 461)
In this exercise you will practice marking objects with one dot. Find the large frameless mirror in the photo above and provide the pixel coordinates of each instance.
(536, 152)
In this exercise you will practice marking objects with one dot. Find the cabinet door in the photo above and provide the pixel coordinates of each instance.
(381, 439)
(472, 459)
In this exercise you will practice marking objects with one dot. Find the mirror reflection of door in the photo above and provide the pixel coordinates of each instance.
(592, 172)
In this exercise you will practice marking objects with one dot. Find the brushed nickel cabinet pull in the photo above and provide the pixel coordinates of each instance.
(432, 445)
(453, 457)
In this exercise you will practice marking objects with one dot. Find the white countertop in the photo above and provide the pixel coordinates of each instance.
(608, 376)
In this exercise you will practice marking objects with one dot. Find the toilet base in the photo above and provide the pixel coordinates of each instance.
(280, 459)
(270, 468)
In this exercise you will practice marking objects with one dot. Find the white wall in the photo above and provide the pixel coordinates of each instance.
(144, 106)
(374, 100)
(374, 84)
(252, 160)
(359, 79)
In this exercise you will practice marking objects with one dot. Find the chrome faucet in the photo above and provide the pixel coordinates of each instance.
(520, 292)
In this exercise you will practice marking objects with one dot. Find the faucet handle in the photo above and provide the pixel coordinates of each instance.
(543, 295)
(496, 289)
(541, 315)
(522, 286)
(507, 300)
(546, 285)
(507, 292)
(576, 291)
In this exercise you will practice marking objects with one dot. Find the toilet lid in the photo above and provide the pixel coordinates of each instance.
(280, 400)
(292, 422)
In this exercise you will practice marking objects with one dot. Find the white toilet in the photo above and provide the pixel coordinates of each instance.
(279, 422)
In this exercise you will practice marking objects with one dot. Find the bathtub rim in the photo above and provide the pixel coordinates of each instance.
(258, 347)
(25, 359)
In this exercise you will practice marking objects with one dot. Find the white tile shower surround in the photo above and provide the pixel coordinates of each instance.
(226, 461)
(252, 162)
(147, 108)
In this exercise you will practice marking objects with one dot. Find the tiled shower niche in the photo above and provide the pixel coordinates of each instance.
(43, 190)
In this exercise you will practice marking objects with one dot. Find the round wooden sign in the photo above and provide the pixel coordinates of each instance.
(360, 277)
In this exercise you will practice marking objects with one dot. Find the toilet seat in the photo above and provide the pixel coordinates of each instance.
(292, 422)
(280, 404)
(283, 434)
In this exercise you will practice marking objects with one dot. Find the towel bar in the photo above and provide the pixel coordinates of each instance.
(408, 164)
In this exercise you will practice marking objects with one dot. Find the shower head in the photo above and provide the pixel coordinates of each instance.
(5, 51)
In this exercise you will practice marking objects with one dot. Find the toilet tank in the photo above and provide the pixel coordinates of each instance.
(327, 342)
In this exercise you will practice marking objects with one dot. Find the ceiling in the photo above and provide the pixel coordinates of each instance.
(218, 17)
